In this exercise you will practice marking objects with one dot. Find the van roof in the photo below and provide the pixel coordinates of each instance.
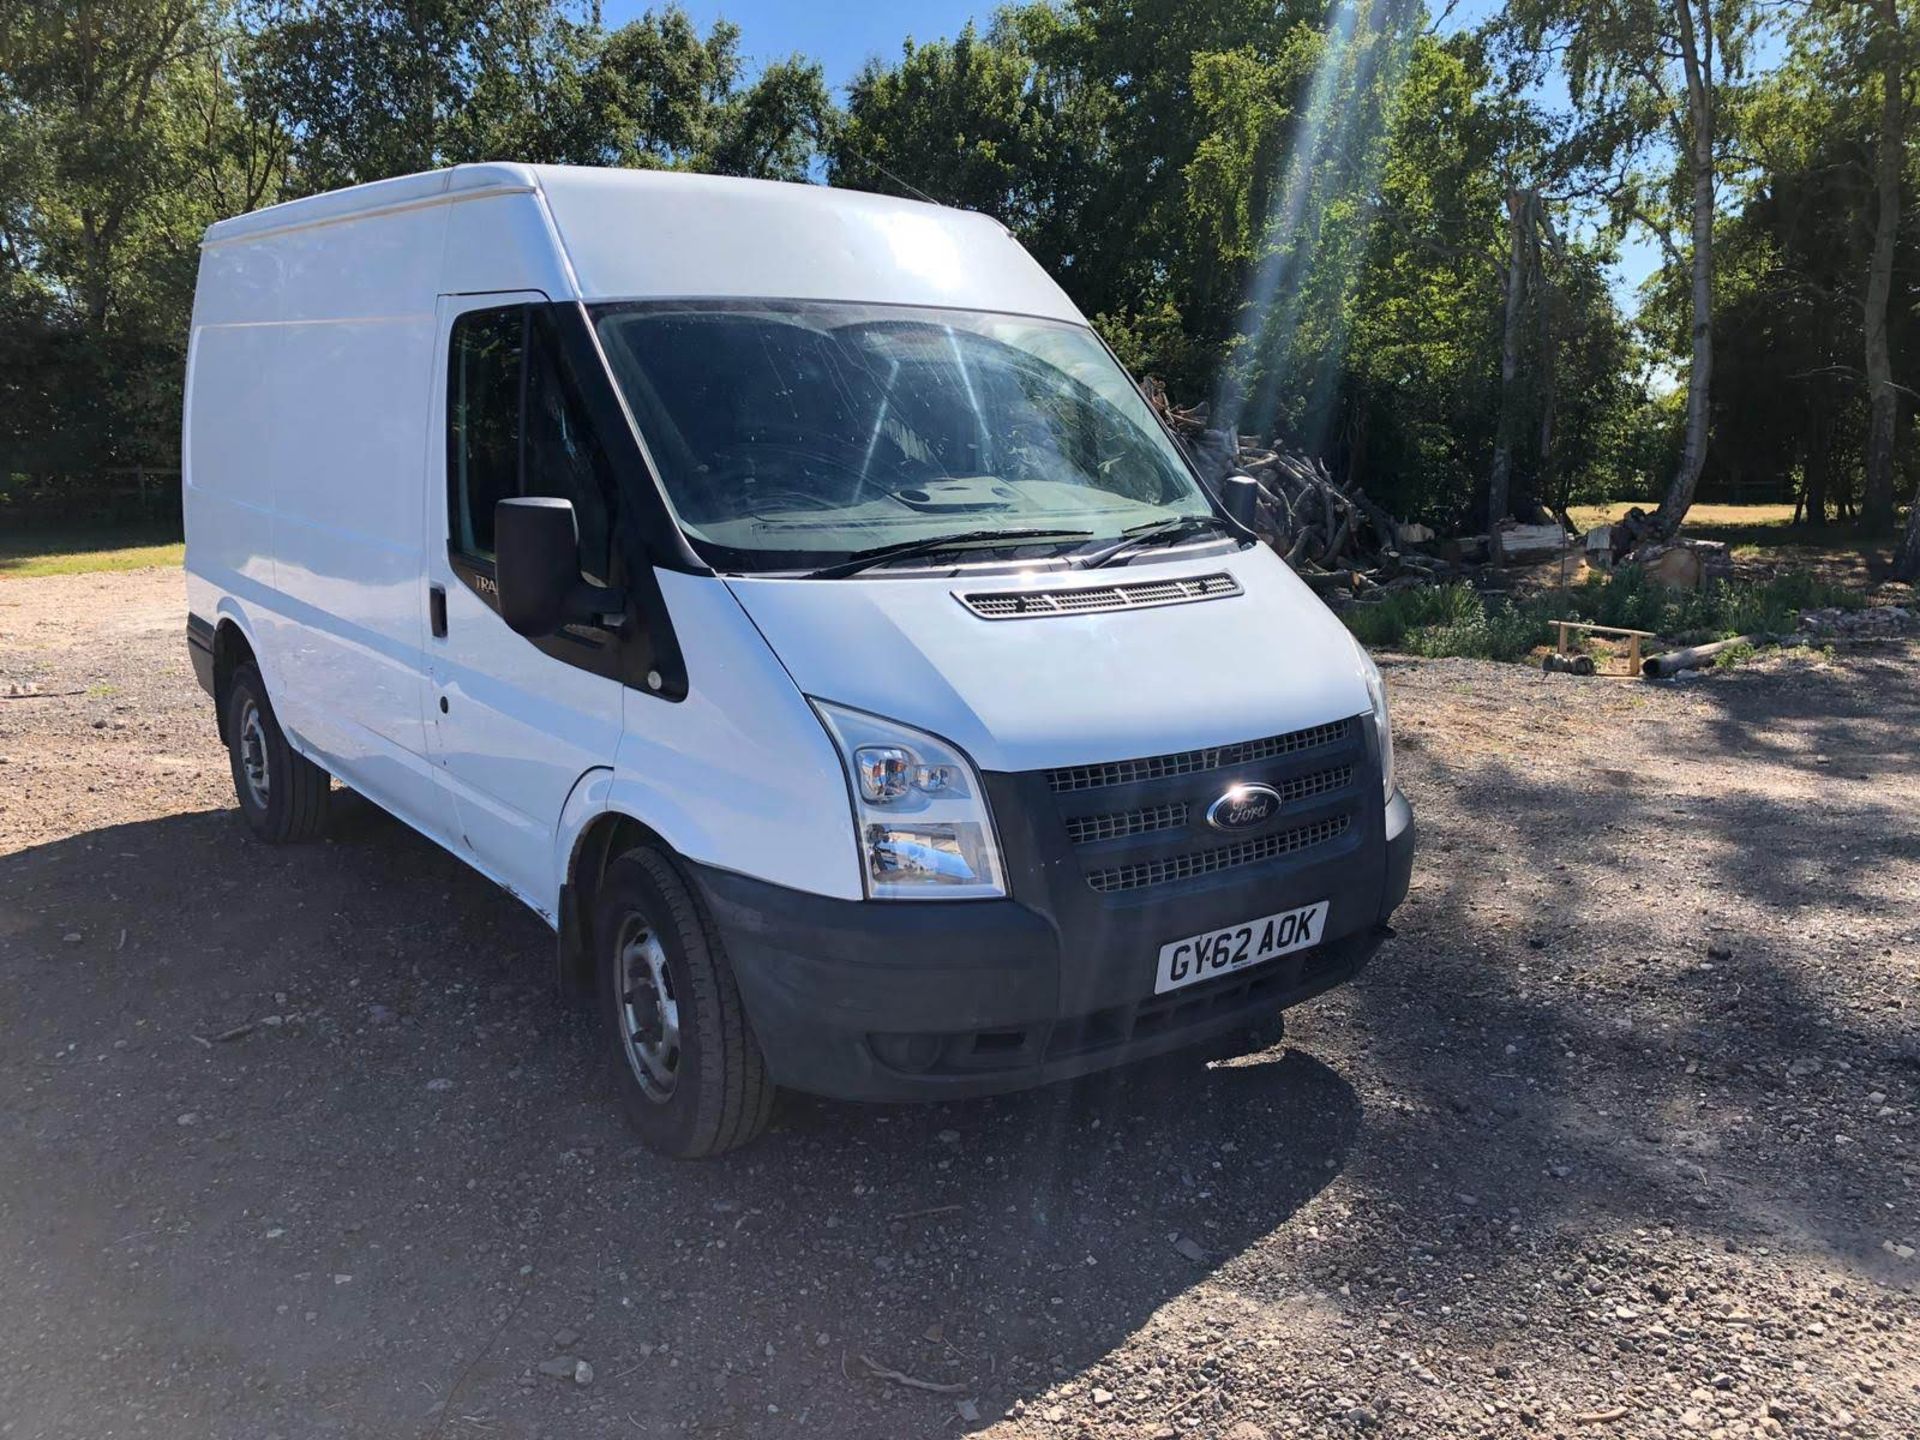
(499, 177)
(617, 233)
(403, 191)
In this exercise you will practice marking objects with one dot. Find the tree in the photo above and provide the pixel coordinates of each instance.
(121, 139)
(382, 88)
(373, 88)
(1521, 207)
(1887, 46)
(1646, 78)
(1804, 260)
(773, 129)
(970, 122)
(100, 87)
(1906, 560)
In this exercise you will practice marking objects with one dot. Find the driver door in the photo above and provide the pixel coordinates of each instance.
(513, 722)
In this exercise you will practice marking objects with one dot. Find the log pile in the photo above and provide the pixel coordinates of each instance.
(1333, 536)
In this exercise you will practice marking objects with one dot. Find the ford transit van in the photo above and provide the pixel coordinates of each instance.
(784, 593)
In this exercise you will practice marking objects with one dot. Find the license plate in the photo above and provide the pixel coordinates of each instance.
(1221, 952)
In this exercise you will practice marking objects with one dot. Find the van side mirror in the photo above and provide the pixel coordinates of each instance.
(1240, 498)
(536, 565)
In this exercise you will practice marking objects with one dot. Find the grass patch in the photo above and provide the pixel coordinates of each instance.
(1749, 529)
(1458, 620)
(28, 553)
(1716, 516)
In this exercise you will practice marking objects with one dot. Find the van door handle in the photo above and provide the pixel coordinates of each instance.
(437, 610)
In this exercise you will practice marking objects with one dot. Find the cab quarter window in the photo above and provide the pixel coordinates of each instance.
(483, 398)
(515, 428)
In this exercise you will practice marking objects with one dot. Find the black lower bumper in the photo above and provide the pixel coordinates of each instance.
(941, 1000)
(200, 651)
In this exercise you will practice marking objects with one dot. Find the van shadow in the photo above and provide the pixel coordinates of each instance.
(425, 1115)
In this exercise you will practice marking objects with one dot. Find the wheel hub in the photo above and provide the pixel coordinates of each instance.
(649, 1010)
(253, 755)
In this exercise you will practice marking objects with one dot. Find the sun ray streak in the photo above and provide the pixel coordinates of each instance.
(1303, 272)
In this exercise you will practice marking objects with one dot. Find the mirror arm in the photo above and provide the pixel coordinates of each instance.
(604, 606)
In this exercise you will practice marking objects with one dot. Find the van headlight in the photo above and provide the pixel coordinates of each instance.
(924, 829)
(1382, 722)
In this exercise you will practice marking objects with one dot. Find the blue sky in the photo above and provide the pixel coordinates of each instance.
(844, 34)
(840, 34)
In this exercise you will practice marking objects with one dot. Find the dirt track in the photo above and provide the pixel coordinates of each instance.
(1624, 1122)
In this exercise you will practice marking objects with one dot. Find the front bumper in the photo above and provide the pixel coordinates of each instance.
(932, 1000)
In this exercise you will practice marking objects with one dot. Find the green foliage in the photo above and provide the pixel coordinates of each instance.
(120, 137)
(1448, 620)
(1719, 609)
(1292, 208)
(1459, 620)
(128, 126)
(1383, 623)
(1734, 656)
(366, 90)
(1791, 396)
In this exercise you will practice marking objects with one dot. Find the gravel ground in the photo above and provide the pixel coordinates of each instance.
(1617, 1139)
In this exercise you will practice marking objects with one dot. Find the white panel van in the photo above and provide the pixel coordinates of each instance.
(785, 594)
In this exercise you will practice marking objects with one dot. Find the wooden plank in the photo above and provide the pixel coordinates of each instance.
(1605, 629)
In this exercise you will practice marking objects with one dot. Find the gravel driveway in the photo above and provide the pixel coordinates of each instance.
(1618, 1138)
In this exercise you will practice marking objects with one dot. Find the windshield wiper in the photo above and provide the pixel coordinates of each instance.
(908, 549)
(1154, 532)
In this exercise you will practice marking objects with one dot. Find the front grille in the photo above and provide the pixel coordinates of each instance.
(1118, 825)
(1085, 829)
(1092, 599)
(1207, 862)
(1321, 782)
(1190, 762)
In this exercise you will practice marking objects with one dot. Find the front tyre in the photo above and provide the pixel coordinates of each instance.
(283, 795)
(689, 1073)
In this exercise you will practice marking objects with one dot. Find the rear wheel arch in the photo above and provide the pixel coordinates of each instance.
(284, 796)
(231, 650)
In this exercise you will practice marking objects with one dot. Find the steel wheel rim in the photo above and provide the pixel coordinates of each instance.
(253, 755)
(649, 1012)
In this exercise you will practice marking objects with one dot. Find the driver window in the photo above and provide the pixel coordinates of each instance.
(560, 456)
(516, 428)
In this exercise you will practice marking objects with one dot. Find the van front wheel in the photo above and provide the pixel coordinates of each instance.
(689, 1074)
(283, 795)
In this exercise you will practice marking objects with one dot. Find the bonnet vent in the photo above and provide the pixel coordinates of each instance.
(1090, 599)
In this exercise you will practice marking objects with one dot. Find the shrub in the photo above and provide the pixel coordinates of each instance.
(1456, 619)
(1385, 623)
(1447, 620)
(1734, 656)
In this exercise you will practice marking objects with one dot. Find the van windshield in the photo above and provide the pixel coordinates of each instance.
(794, 434)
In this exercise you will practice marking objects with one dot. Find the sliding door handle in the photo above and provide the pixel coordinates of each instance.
(437, 610)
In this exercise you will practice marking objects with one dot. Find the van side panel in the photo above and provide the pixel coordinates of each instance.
(225, 500)
(352, 383)
(227, 505)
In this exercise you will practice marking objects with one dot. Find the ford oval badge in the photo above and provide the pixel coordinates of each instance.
(1244, 807)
